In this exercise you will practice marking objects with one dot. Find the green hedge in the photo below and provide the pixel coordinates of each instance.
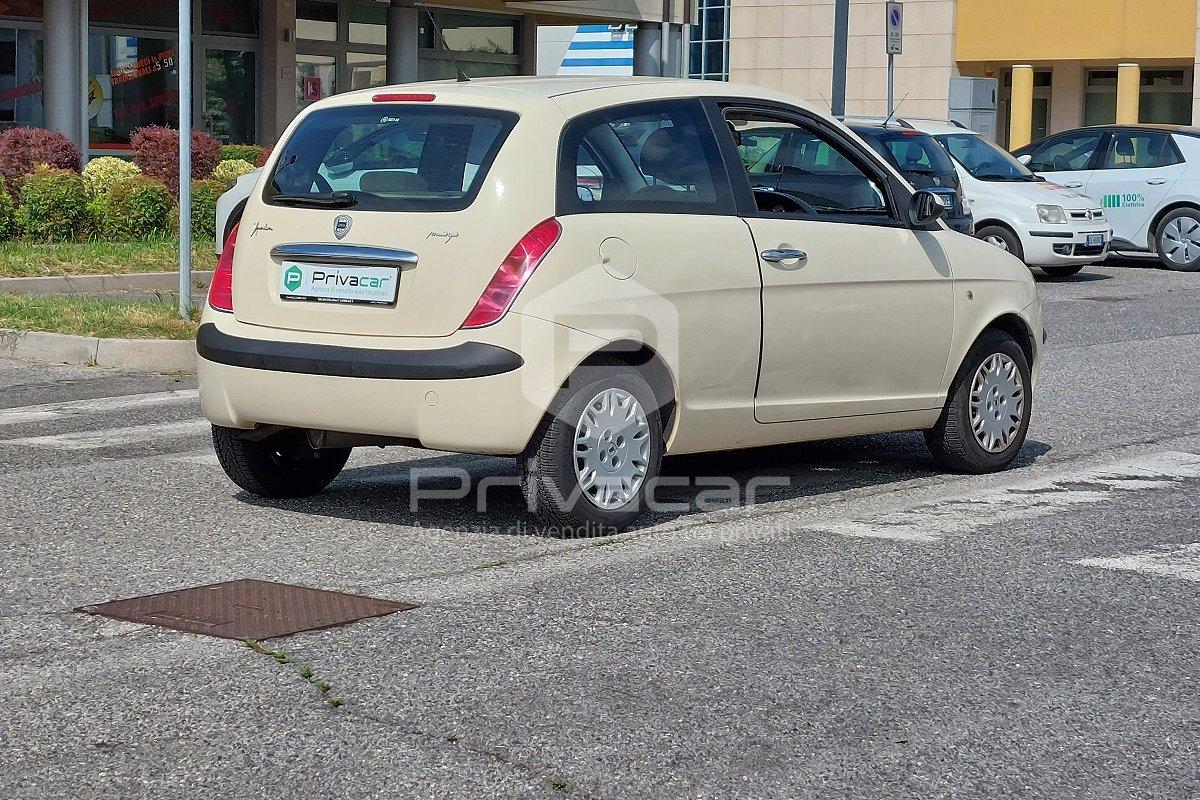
(138, 208)
(54, 205)
(241, 152)
(8, 216)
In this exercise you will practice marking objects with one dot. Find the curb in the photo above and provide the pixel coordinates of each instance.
(139, 355)
(102, 285)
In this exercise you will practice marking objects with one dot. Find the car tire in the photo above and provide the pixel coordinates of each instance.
(585, 433)
(1063, 272)
(1177, 238)
(280, 466)
(1003, 238)
(987, 412)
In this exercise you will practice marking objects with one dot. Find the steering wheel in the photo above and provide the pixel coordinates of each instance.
(323, 185)
(778, 201)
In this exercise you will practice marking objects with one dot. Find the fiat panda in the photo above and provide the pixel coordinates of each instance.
(589, 274)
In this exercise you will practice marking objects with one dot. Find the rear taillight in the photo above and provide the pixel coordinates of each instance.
(514, 271)
(220, 290)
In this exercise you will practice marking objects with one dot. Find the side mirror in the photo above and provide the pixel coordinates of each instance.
(1025, 158)
(925, 208)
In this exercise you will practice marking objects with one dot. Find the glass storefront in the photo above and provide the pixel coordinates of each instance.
(20, 77)
(1165, 96)
(134, 82)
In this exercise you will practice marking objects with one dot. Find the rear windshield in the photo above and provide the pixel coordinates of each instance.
(388, 158)
(909, 151)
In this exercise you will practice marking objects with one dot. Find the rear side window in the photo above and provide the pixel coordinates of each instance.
(389, 157)
(1140, 151)
(649, 157)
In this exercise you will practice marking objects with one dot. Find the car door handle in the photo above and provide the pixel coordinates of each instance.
(1156, 181)
(1074, 185)
(785, 258)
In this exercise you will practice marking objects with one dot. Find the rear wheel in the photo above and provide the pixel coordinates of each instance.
(1003, 238)
(281, 465)
(987, 413)
(1178, 240)
(1063, 272)
(590, 464)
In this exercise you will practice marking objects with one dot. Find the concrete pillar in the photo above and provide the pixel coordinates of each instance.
(279, 68)
(1066, 95)
(529, 44)
(1020, 107)
(61, 86)
(1129, 93)
(674, 65)
(403, 34)
(647, 49)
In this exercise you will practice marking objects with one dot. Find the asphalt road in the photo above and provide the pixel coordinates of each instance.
(871, 629)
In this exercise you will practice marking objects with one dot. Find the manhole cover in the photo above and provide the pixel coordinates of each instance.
(247, 609)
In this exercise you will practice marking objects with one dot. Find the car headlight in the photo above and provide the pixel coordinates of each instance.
(1052, 215)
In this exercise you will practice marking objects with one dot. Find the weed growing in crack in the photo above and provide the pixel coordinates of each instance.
(306, 672)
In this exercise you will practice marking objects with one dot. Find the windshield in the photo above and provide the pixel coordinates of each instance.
(985, 159)
(388, 157)
(908, 151)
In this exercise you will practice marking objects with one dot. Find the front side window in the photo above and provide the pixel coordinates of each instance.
(388, 157)
(793, 169)
(657, 157)
(985, 159)
(1140, 151)
(1065, 153)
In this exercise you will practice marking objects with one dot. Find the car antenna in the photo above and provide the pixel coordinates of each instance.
(462, 75)
(895, 109)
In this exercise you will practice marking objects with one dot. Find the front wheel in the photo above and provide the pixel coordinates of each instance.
(987, 412)
(279, 466)
(1178, 240)
(1002, 238)
(589, 466)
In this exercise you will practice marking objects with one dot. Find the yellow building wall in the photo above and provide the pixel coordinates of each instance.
(1051, 30)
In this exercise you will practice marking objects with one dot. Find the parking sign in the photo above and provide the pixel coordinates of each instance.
(895, 27)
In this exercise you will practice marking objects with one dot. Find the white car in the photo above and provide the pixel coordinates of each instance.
(1042, 223)
(231, 204)
(1147, 178)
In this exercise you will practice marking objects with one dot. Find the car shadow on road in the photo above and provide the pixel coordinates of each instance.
(480, 494)
(1082, 277)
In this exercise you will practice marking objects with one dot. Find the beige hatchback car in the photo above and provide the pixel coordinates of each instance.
(592, 273)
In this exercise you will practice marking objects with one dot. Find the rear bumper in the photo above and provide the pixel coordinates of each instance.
(465, 360)
(481, 391)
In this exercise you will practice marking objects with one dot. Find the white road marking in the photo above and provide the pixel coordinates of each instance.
(1181, 561)
(1021, 500)
(113, 437)
(99, 405)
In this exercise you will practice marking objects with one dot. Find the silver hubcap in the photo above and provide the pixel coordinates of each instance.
(997, 403)
(996, 241)
(1181, 240)
(612, 448)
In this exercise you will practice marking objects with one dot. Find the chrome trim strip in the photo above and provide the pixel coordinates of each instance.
(353, 254)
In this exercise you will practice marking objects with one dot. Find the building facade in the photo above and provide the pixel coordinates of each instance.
(1058, 64)
(98, 69)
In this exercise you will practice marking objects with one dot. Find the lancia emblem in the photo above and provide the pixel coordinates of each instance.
(341, 225)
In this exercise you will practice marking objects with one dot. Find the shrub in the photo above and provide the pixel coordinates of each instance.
(138, 207)
(23, 149)
(262, 159)
(241, 152)
(53, 205)
(229, 171)
(156, 152)
(101, 173)
(97, 216)
(204, 208)
(8, 216)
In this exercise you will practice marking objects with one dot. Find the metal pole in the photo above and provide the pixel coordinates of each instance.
(891, 84)
(184, 55)
(85, 81)
(841, 29)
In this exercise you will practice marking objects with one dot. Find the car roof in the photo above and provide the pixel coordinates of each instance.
(1130, 127)
(571, 95)
(922, 124)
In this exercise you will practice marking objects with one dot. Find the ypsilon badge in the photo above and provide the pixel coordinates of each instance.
(341, 225)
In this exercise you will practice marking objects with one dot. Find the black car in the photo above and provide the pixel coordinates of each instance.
(925, 164)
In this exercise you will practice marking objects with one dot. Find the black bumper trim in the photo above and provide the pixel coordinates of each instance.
(467, 360)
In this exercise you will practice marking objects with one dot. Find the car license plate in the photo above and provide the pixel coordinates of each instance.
(331, 283)
(1095, 240)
